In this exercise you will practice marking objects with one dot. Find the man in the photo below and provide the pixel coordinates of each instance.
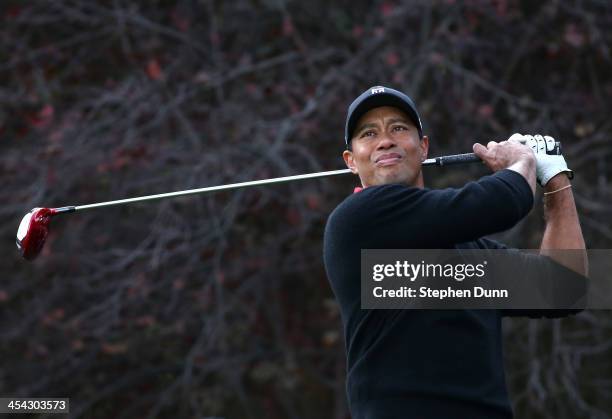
(431, 363)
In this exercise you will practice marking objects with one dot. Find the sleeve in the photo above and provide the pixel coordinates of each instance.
(396, 216)
(565, 287)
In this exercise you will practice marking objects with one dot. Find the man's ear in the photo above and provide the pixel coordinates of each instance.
(424, 145)
(347, 155)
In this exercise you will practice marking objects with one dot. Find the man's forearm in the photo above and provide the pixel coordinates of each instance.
(563, 226)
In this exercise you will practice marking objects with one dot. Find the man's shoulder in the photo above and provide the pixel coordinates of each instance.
(378, 193)
(360, 205)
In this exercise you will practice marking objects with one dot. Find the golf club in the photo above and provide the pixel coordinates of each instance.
(34, 227)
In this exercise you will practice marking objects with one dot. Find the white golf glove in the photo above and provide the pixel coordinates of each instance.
(547, 165)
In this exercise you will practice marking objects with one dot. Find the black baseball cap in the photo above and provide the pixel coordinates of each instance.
(376, 97)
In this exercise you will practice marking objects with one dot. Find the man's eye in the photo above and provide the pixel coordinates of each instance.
(368, 134)
(399, 128)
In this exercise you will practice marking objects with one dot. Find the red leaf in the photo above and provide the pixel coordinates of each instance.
(574, 36)
(293, 216)
(502, 7)
(387, 8)
(13, 11)
(114, 348)
(145, 321)
(179, 327)
(313, 202)
(42, 350)
(52, 317)
(42, 118)
(59, 313)
(436, 58)
(552, 51)
(392, 59)
(46, 112)
(287, 26)
(252, 88)
(220, 277)
(51, 177)
(180, 21)
(215, 39)
(77, 345)
(154, 70)
(485, 111)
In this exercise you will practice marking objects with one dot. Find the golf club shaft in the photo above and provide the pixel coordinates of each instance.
(211, 189)
(438, 161)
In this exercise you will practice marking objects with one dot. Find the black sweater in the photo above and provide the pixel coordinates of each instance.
(422, 363)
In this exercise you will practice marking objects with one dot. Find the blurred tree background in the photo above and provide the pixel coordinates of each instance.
(219, 306)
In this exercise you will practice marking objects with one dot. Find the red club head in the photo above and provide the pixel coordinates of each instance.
(33, 231)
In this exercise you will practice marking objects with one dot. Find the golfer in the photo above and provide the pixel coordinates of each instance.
(431, 363)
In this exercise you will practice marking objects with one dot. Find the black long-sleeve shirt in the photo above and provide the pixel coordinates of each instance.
(422, 363)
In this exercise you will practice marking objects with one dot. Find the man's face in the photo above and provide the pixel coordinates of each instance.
(386, 148)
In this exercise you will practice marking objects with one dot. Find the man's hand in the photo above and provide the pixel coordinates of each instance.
(509, 155)
(547, 165)
(504, 154)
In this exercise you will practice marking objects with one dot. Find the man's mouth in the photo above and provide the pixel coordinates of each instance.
(388, 159)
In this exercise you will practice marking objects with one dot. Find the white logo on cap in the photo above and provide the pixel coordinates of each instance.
(378, 90)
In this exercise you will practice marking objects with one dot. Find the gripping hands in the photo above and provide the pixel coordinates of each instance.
(549, 160)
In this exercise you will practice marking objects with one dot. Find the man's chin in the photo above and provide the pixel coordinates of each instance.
(395, 177)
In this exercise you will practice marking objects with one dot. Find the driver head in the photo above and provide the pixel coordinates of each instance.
(33, 231)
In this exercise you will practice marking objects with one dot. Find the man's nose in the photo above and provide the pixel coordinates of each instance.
(385, 142)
